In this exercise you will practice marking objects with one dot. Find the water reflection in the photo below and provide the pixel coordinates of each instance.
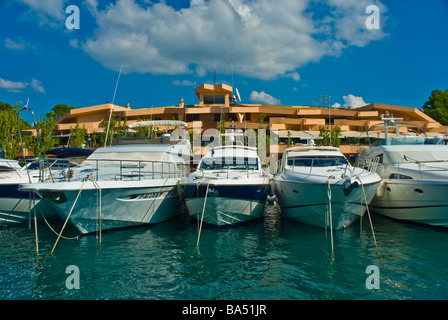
(269, 258)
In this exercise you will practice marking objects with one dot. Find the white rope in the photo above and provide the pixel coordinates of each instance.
(51, 228)
(99, 207)
(368, 213)
(68, 216)
(330, 214)
(202, 217)
(35, 227)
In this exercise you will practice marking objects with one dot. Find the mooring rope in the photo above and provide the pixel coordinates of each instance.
(368, 213)
(99, 206)
(52, 229)
(202, 217)
(35, 227)
(68, 216)
(330, 214)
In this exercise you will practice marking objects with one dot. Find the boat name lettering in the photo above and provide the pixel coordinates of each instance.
(149, 195)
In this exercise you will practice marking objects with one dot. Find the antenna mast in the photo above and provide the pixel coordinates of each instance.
(112, 106)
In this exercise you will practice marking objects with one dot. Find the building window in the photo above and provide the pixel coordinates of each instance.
(233, 117)
(192, 117)
(214, 99)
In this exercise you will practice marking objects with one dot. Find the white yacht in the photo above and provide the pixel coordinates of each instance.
(228, 187)
(17, 206)
(8, 165)
(415, 175)
(318, 186)
(131, 183)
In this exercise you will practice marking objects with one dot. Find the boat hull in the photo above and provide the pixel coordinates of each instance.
(123, 204)
(310, 204)
(17, 207)
(421, 201)
(225, 204)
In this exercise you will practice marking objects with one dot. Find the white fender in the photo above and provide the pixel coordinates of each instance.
(381, 189)
(271, 198)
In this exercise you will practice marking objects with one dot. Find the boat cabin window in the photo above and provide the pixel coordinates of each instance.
(414, 156)
(399, 176)
(49, 163)
(229, 163)
(319, 161)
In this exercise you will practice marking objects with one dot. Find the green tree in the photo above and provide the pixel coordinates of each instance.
(9, 133)
(117, 130)
(77, 137)
(45, 126)
(437, 106)
(263, 148)
(335, 133)
(59, 110)
(5, 107)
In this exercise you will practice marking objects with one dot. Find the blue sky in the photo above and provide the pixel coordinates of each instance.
(286, 51)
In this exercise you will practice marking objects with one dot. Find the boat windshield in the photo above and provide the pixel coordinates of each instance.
(319, 161)
(54, 164)
(238, 163)
(417, 155)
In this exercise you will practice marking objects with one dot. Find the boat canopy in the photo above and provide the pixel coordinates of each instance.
(153, 123)
(409, 154)
(69, 152)
(402, 140)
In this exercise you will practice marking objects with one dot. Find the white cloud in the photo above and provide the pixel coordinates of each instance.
(18, 86)
(48, 12)
(182, 83)
(349, 21)
(18, 44)
(263, 97)
(293, 75)
(37, 86)
(268, 39)
(12, 86)
(336, 105)
(353, 101)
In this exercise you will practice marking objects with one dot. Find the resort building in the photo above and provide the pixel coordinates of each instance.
(219, 105)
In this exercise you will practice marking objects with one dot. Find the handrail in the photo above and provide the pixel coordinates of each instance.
(311, 148)
(112, 169)
(292, 168)
(371, 164)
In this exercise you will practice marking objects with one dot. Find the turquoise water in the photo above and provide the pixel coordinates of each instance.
(268, 259)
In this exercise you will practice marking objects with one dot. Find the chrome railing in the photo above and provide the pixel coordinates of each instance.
(313, 163)
(66, 170)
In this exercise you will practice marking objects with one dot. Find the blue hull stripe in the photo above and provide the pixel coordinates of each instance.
(12, 191)
(254, 193)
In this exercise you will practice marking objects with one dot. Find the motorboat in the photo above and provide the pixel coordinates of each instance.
(133, 182)
(317, 185)
(7, 164)
(16, 206)
(229, 186)
(414, 169)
